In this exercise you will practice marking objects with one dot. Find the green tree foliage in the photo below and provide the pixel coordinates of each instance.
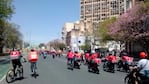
(6, 11)
(103, 29)
(61, 46)
(13, 37)
(57, 44)
(42, 45)
(85, 47)
(133, 25)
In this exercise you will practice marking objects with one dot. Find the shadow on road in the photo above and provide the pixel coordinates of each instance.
(34, 75)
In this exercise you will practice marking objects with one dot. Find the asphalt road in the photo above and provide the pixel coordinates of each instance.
(54, 71)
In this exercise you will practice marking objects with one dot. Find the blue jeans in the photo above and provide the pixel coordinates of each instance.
(33, 66)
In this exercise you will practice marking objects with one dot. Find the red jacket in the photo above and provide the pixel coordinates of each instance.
(33, 56)
(15, 54)
(127, 59)
(87, 55)
(111, 58)
(70, 55)
(77, 55)
(94, 55)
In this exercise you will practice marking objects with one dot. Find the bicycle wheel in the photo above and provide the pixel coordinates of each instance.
(10, 76)
(19, 72)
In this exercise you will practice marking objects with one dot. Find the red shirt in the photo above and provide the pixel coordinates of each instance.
(70, 55)
(94, 55)
(87, 55)
(33, 56)
(15, 54)
(111, 58)
(77, 55)
(97, 60)
(127, 59)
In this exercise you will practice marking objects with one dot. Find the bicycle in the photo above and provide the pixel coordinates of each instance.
(132, 77)
(10, 76)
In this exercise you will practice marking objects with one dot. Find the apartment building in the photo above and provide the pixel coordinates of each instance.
(99, 10)
(66, 28)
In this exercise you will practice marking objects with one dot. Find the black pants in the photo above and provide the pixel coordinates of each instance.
(15, 63)
(71, 60)
(33, 66)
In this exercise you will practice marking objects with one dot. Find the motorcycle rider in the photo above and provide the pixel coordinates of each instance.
(93, 56)
(125, 61)
(110, 61)
(77, 58)
(70, 57)
(87, 55)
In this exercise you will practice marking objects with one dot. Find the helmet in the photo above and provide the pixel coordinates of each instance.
(143, 55)
(93, 51)
(32, 50)
(76, 51)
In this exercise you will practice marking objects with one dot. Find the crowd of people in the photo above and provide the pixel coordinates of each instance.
(93, 60)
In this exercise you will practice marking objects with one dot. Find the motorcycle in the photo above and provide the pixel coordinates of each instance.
(123, 66)
(77, 63)
(109, 66)
(93, 68)
(93, 65)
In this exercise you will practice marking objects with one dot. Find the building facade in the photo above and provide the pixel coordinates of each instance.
(95, 11)
(66, 28)
(99, 10)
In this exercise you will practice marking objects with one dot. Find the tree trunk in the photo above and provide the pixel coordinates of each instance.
(146, 47)
(1, 49)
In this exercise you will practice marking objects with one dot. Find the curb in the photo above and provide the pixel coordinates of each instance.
(2, 78)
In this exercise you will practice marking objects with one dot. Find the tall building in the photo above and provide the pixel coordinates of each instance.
(73, 35)
(99, 10)
(66, 28)
(95, 11)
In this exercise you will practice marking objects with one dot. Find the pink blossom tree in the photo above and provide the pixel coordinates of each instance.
(133, 25)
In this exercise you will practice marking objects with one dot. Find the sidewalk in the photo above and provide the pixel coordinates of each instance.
(4, 66)
(3, 58)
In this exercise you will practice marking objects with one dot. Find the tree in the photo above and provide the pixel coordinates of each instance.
(6, 10)
(103, 29)
(13, 37)
(26, 44)
(85, 47)
(61, 46)
(133, 25)
(42, 45)
(57, 44)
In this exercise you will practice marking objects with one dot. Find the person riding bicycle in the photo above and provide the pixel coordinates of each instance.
(33, 58)
(15, 56)
(70, 57)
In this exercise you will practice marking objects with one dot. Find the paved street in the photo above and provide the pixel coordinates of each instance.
(54, 71)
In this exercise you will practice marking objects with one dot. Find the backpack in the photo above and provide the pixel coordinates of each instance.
(33, 57)
(147, 73)
(15, 55)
